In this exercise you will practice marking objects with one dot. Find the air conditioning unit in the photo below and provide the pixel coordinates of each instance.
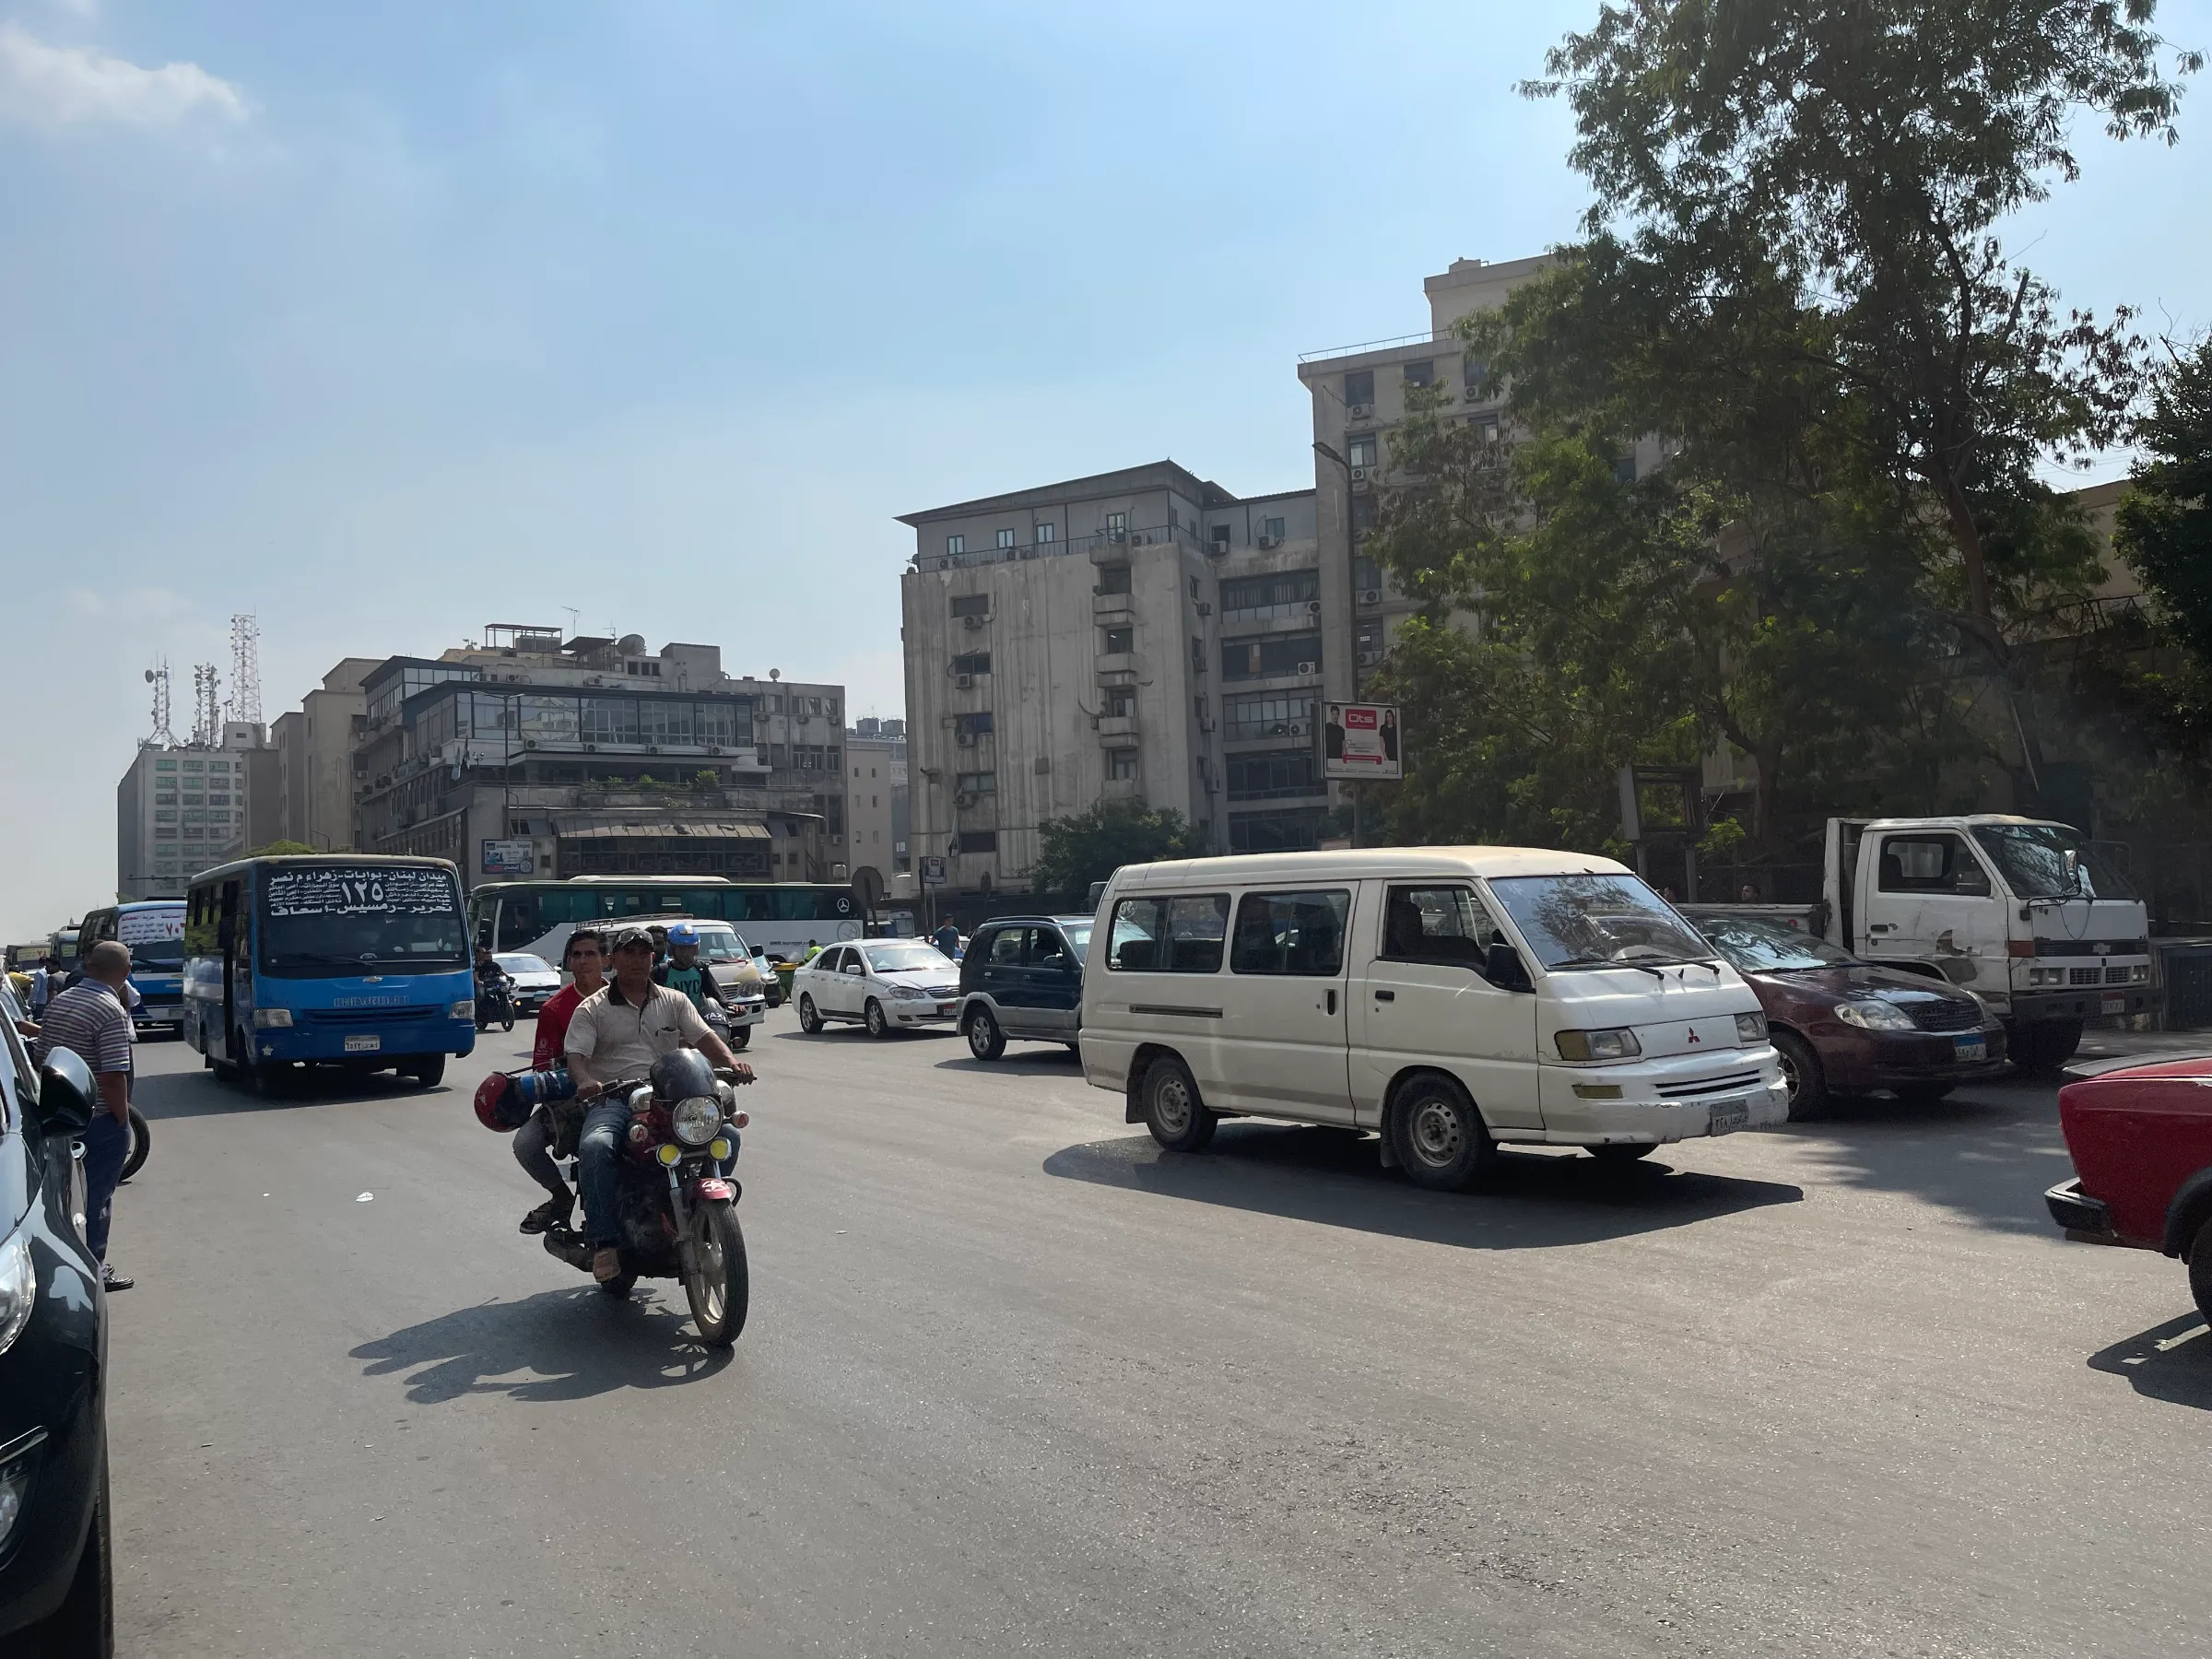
(591, 748)
(972, 623)
(1297, 728)
(714, 748)
(1370, 596)
(1308, 667)
(1359, 475)
(1314, 607)
(1270, 541)
(529, 743)
(1206, 725)
(1204, 609)
(965, 682)
(1361, 411)
(1367, 659)
(1359, 484)
(964, 798)
(965, 739)
(652, 749)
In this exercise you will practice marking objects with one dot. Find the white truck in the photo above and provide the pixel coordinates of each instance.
(2030, 915)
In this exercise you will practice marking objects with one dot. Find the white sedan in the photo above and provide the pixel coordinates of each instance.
(886, 985)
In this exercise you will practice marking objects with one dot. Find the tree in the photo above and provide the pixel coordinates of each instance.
(1085, 847)
(281, 849)
(2163, 530)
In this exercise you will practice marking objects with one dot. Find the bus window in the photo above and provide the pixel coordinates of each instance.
(519, 922)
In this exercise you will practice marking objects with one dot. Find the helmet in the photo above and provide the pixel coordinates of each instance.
(499, 1105)
(683, 933)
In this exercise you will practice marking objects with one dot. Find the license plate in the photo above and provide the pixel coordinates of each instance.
(1970, 1048)
(2115, 1005)
(363, 1045)
(1729, 1116)
(944, 1007)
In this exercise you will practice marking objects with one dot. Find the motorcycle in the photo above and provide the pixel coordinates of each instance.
(495, 1005)
(678, 1207)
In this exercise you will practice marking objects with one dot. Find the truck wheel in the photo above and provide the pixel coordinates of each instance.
(1173, 1113)
(1801, 1070)
(2042, 1045)
(429, 1071)
(1442, 1141)
(2200, 1269)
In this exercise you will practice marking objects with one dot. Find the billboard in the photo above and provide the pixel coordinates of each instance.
(509, 858)
(933, 870)
(1361, 740)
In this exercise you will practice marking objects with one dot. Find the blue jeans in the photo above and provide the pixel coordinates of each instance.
(107, 1144)
(606, 1127)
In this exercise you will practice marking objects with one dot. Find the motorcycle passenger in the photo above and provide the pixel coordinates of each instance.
(583, 956)
(615, 1036)
(684, 972)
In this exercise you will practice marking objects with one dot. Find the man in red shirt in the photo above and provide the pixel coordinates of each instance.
(584, 958)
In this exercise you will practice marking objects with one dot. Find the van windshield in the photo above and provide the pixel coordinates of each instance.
(1597, 921)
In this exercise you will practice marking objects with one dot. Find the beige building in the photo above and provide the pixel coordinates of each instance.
(314, 759)
(875, 801)
(184, 808)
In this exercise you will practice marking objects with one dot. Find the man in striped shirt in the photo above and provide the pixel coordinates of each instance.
(88, 1020)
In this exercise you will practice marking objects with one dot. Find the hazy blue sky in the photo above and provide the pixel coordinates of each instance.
(388, 321)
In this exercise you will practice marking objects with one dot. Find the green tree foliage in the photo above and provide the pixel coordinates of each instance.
(280, 849)
(1085, 847)
(2164, 532)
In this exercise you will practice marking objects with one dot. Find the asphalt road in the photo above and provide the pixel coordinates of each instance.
(1016, 1382)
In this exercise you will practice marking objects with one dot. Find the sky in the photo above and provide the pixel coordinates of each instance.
(385, 322)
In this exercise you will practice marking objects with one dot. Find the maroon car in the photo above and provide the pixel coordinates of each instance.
(2141, 1139)
(1843, 1025)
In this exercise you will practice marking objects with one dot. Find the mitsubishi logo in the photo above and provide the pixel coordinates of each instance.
(1693, 1035)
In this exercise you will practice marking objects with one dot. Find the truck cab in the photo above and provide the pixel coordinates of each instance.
(2030, 915)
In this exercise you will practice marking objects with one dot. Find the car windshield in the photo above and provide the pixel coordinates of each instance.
(2032, 859)
(721, 944)
(909, 956)
(1597, 921)
(1769, 946)
(521, 961)
(1078, 938)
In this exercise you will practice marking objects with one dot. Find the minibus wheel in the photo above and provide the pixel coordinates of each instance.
(1178, 1119)
(1441, 1142)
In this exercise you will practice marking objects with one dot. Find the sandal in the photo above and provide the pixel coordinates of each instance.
(552, 1213)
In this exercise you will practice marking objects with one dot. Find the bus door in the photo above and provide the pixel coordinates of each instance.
(230, 934)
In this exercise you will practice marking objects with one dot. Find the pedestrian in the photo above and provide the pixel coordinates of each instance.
(44, 984)
(1747, 893)
(88, 1020)
(947, 938)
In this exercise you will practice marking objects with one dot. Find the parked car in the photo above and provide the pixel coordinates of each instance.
(1843, 1025)
(1453, 998)
(1022, 978)
(535, 979)
(886, 985)
(2141, 1140)
(56, 1562)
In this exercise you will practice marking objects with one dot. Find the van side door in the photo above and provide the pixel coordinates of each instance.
(1283, 1005)
(1420, 999)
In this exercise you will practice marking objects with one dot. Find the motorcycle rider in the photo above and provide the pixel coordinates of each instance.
(584, 956)
(492, 984)
(615, 1036)
(684, 971)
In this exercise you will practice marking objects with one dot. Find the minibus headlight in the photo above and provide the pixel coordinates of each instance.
(464, 1009)
(1750, 1029)
(272, 1019)
(1618, 1043)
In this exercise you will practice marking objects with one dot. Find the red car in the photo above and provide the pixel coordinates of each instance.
(2141, 1140)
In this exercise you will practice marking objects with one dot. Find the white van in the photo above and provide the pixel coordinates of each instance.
(1451, 998)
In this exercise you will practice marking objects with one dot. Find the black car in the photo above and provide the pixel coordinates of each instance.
(1022, 977)
(56, 1566)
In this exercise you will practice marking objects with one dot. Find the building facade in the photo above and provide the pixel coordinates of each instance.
(535, 754)
(876, 806)
(314, 758)
(182, 809)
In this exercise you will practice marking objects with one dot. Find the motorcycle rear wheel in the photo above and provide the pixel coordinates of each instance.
(719, 1283)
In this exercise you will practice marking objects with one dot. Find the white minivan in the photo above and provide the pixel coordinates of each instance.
(1451, 998)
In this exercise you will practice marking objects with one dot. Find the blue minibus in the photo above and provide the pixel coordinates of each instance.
(154, 930)
(343, 958)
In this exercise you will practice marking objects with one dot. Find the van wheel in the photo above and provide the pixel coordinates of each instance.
(1801, 1070)
(429, 1071)
(1178, 1119)
(1440, 1140)
(985, 1041)
(810, 1020)
(2200, 1269)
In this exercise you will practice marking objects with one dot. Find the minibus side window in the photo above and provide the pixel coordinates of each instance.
(1447, 926)
(1291, 934)
(1183, 934)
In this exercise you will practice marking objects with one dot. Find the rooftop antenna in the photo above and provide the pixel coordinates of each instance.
(157, 677)
(245, 667)
(206, 708)
(575, 619)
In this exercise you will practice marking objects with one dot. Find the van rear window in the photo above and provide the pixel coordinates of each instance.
(1181, 932)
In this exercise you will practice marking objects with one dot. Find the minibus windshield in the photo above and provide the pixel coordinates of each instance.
(1597, 921)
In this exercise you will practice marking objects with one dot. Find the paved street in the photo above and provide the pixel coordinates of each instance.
(1014, 1382)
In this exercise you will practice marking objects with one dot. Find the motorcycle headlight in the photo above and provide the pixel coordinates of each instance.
(1750, 1029)
(1617, 1045)
(464, 1009)
(19, 1288)
(1874, 1016)
(696, 1119)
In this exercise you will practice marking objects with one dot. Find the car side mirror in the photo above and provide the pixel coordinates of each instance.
(67, 1096)
(1502, 967)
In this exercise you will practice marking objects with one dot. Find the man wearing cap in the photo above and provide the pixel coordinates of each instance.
(684, 971)
(88, 1018)
(615, 1036)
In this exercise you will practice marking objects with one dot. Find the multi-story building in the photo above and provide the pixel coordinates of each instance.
(874, 804)
(181, 809)
(530, 753)
(1141, 634)
(314, 759)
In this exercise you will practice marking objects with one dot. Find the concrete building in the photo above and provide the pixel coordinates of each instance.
(181, 809)
(533, 754)
(874, 806)
(314, 759)
(1141, 634)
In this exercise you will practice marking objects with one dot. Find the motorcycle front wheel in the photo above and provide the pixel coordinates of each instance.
(718, 1284)
(142, 1142)
(507, 1020)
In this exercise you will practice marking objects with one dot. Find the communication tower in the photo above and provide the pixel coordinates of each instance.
(157, 677)
(207, 706)
(245, 667)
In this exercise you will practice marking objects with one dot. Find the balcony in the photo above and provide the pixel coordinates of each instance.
(1119, 665)
(1113, 610)
(1105, 547)
(1117, 731)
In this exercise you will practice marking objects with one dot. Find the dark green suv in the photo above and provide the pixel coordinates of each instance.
(1022, 979)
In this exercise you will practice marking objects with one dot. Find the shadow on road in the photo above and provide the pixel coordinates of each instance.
(1040, 1060)
(558, 1344)
(198, 1094)
(2171, 1361)
(1534, 1201)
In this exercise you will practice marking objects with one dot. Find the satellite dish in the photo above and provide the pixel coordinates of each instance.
(632, 644)
(775, 674)
(149, 676)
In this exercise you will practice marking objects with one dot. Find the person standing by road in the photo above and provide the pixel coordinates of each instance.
(947, 939)
(45, 984)
(584, 956)
(88, 1020)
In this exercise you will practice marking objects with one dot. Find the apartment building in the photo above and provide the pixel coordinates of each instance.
(530, 752)
(1140, 634)
(183, 808)
(314, 759)
(875, 788)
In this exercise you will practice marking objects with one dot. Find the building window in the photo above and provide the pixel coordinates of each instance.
(1117, 641)
(1360, 451)
(1297, 829)
(956, 545)
(166, 815)
(1366, 573)
(1121, 702)
(1421, 374)
(971, 726)
(167, 799)
(1219, 535)
(1270, 714)
(1271, 529)
(1117, 526)
(195, 766)
(218, 766)
(193, 800)
(218, 800)
(1472, 372)
(1359, 387)
(1120, 765)
(165, 850)
(1363, 517)
(978, 841)
(1624, 469)
(1006, 537)
(1256, 656)
(1113, 579)
(164, 766)
(971, 604)
(974, 662)
(1266, 773)
(1045, 534)
(975, 783)
(1284, 591)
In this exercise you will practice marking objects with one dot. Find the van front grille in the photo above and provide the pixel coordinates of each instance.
(1734, 1082)
(368, 1015)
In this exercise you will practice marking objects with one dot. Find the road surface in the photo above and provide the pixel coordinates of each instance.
(1016, 1382)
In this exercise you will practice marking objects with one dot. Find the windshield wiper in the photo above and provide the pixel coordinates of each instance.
(1609, 962)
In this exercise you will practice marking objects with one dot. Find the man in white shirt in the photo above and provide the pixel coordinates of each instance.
(615, 1036)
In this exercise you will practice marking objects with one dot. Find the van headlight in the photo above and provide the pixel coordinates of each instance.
(695, 1120)
(19, 1289)
(1620, 1043)
(1874, 1016)
(1750, 1029)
